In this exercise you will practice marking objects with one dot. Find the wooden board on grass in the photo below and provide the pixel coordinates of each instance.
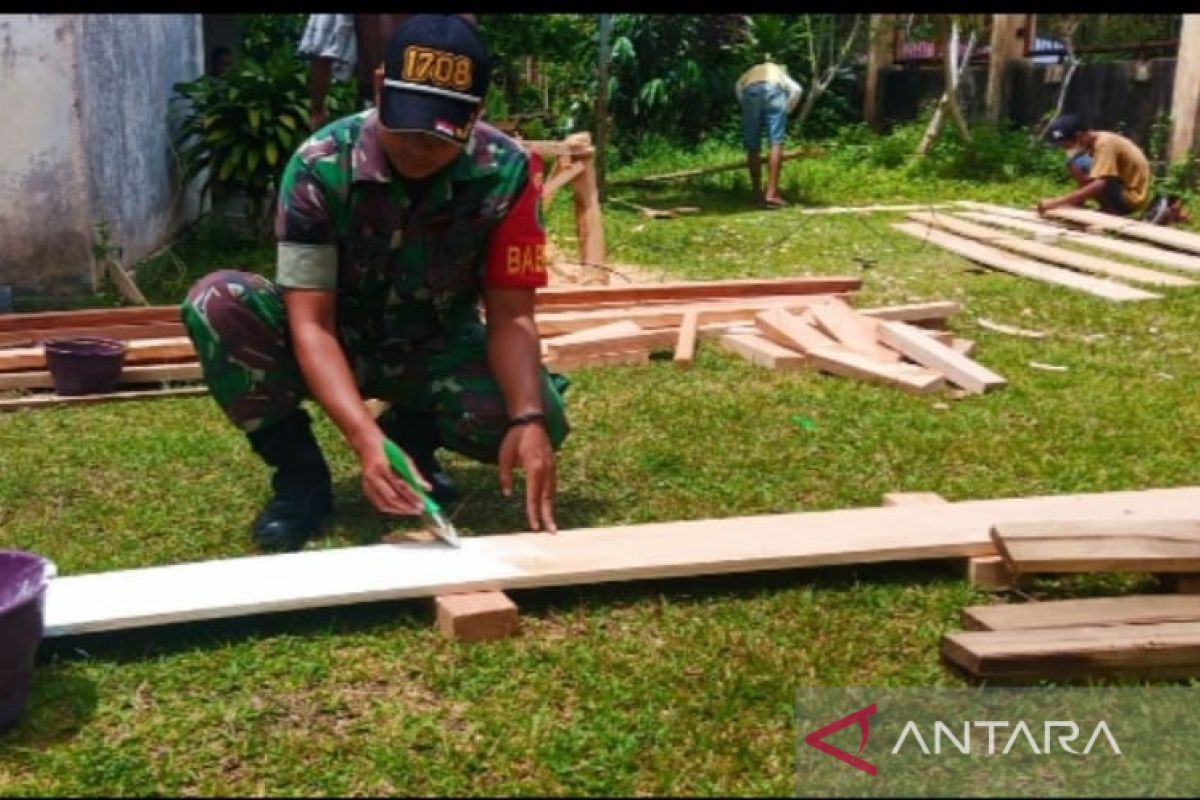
(1024, 267)
(789, 330)
(1101, 545)
(839, 321)
(1159, 234)
(139, 351)
(255, 584)
(88, 317)
(1163, 650)
(1125, 247)
(1137, 609)
(682, 291)
(1049, 253)
(762, 351)
(49, 400)
(839, 360)
(136, 374)
(928, 352)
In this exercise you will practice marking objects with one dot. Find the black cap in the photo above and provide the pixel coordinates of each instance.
(1065, 128)
(435, 75)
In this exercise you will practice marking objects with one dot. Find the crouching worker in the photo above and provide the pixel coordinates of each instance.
(393, 224)
(1107, 168)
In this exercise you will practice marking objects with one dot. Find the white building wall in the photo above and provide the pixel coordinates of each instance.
(86, 139)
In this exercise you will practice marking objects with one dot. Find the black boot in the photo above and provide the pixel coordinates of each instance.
(416, 433)
(303, 493)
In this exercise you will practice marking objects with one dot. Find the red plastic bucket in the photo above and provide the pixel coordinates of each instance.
(22, 599)
(84, 364)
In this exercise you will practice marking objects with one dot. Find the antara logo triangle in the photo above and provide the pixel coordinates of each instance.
(816, 739)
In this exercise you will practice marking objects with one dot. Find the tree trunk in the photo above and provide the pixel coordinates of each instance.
(819, 86)
(605, 55)
(948, 104)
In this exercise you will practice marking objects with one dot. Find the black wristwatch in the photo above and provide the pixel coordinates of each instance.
(526, 418)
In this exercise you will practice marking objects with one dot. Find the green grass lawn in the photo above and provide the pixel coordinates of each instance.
(682, 687)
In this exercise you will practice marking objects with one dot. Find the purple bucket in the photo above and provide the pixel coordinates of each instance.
(84, 364)
(22, 597)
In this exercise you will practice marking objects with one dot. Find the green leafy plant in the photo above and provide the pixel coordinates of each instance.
(239, 129)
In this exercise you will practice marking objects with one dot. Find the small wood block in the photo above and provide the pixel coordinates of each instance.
(685, 347)
(989, 572)
(912, 499)
(476, 616)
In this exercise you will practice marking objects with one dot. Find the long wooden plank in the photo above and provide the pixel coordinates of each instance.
(852, 330)
(928, 352)
(1137, 609)
(46, 401)
(937, 311)
(612, 341)
(1109, 545)
(1024, 267)
(679, 291)
(762, 351)
(789, 330)
(689, 173)
(670, 315)
(139, 351)
(1049, 253)
(1164, 650)
(1159, 234)
(839, 360)
(146, 330)
(635, 357)
(1138, 250)
(88, 317)
(316, 578)
(136, 374)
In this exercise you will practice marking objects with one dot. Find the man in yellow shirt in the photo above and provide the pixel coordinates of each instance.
(767, 94)
(1119, 177)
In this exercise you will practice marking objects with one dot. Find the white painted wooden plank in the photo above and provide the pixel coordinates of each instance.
(1026, 268)
(256, 584)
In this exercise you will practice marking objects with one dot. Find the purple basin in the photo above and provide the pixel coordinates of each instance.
(22, 589)
(84, 364)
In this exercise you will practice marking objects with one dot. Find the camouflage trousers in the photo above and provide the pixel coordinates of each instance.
(238, 323)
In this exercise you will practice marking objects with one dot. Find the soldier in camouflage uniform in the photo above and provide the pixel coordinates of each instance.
(393, 224)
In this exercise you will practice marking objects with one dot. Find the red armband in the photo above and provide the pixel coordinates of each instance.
(516, 257)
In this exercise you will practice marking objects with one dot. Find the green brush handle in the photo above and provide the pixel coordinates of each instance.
(399, 462)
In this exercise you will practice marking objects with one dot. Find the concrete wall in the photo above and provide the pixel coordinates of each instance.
(87, 141)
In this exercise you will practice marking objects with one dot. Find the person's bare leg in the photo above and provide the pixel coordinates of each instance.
(774, 161)
(754, 160)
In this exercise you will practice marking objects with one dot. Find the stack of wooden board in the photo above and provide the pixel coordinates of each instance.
(1147, 636)
(999, 237)
(159, 353)
(878, 347)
